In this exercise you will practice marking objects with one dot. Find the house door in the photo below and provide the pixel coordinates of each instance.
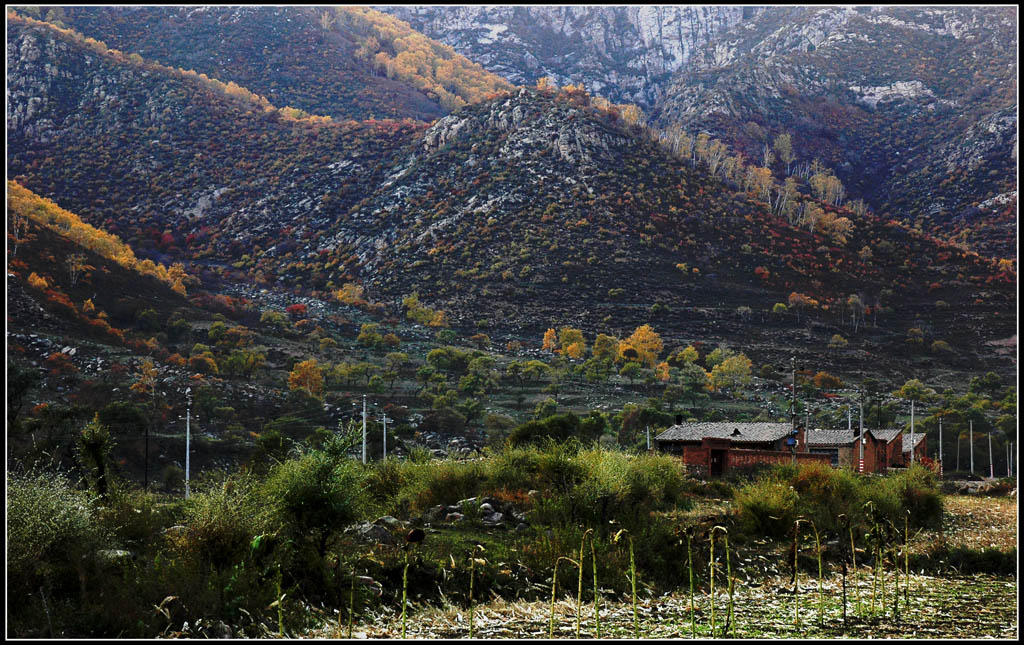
(717, 462)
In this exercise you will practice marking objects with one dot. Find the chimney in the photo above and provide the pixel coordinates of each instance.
(679, 419)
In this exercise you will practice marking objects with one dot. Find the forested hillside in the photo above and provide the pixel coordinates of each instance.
(344, 62)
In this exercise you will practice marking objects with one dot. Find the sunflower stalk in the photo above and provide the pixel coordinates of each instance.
(554, 591)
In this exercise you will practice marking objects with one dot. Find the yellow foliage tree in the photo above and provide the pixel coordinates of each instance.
(575, 350)
(308, 376)
(350, 293)
(731, 372)
(37, 282)
(549, 342)
(645, 342)
(568, 337)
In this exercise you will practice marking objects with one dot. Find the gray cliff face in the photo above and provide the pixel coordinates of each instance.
(625, 54)
(914, 108)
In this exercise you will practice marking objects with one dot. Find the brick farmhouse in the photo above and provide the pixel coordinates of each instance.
(715, 448)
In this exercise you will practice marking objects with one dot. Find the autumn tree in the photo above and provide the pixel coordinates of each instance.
(799, 302)
(837, 342)
(827, 187)
(605, 347)
(856, 307)
(571, 342)
(369, 335)
(307, 376)
(645, 343)
(548, 343)
(242, 362)
(826, 381)
(350, 294)
(786, 198)
(731, 372)
(783, 147)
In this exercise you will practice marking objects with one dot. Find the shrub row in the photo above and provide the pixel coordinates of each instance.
(771, 503)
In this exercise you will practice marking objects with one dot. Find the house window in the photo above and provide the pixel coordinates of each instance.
(833, 453)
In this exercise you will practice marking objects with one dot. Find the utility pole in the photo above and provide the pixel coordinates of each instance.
(849, 419)
(792, 407)
(860, 464)
(991, 471)
(970, 440)
(648, 438)
(940, 446)
(152, 417)
(385, 420)
(364, 429)
(911, 430)
(188, 433)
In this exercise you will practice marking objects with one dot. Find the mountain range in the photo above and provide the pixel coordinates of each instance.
(525, 207)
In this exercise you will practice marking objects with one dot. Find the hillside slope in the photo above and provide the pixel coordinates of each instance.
(335, 61)
(535, 204)
(166, 160)
(914, 108)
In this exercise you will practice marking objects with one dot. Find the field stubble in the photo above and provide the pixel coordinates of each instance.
(948, 606)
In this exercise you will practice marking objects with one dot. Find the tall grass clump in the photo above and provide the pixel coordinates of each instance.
(209, 564)
(514, 468)
(917, 492)
(766, 507)
(442, 482)
(824, 494)
(52, 538)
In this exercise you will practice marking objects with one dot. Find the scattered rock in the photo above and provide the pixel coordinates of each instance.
(374, 533)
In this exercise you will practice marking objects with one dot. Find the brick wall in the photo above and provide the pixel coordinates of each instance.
(750, 458)
(894, 452)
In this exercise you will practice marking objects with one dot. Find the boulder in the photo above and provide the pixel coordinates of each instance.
(390, 522)
(493, 519)
(435, 514)
(373, 533)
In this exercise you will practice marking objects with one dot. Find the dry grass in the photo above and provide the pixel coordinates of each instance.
(980, 522)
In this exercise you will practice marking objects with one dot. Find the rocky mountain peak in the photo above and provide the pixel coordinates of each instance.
(622, 53)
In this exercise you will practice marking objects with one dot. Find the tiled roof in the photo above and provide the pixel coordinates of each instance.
(918, 438)
(887, 434)
(820, 437)
(737, 432)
